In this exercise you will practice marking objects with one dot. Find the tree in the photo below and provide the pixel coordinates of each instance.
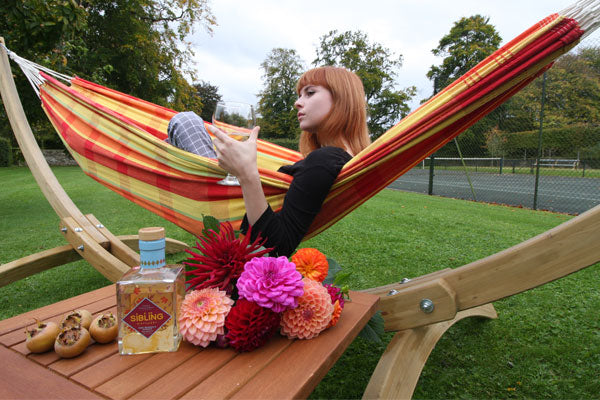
(469, 41)
(377, 67)
(495, 142)
(43, 31)
(572, 92)
(139, 47)
(135, 46)
(281, 70)
(209, 95)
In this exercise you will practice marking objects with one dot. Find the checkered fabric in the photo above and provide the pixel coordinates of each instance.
(186, 130)
(118, 139)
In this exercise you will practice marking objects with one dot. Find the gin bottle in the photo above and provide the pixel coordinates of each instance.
(148, 299)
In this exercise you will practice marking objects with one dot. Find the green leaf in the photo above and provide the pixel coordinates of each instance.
(334, 268)
(210, 222)
(374, 330)
(341, 278)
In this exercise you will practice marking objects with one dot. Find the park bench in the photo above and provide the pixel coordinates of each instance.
(557, 163)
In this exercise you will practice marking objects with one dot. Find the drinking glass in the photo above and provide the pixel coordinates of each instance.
(237, 120)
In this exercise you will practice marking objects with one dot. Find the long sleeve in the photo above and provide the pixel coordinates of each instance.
(313, 178)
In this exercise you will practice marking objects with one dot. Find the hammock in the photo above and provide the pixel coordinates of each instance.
(117, 139)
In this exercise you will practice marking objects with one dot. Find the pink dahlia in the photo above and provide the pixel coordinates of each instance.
(312, 315)
(271, 283)
(202, 315)
(221, 258)
(249, 325)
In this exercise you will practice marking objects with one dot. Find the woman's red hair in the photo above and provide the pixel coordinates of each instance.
(346, 123)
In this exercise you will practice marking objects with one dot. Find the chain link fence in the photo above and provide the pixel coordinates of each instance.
(539, 150)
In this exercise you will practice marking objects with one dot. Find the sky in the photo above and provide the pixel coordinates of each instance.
(247, 31)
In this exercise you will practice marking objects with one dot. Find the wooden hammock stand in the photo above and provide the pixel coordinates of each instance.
(420, 310)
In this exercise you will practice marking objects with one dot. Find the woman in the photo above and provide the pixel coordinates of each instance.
(332, 115)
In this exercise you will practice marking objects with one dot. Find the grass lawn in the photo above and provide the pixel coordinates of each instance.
(545, 343)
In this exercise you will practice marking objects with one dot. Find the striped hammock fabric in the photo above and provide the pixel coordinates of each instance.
(118, 139)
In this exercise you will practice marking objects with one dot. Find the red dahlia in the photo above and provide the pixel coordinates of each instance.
(249, 325)
(335, 293)
(221, 258)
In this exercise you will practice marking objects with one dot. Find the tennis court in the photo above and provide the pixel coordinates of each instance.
(571, 195)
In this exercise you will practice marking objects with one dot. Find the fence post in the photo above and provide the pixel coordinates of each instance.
(501, 164)
(431, 168)
(539, 152)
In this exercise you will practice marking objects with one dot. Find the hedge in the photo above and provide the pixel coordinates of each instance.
(566, 142)
(5, 152)
(288, 143)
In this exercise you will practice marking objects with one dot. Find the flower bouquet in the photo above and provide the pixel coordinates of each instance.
(239, 297)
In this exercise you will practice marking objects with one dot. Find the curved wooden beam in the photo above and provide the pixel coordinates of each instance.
(111, 257)
(47, 259)
(558, 252)
(45, 178)
(400, 366)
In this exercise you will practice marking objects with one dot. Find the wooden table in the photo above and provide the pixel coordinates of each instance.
(281, 369)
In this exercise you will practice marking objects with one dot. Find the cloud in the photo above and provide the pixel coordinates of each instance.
(248, 31)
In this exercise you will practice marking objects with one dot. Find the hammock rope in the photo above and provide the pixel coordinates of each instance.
(32, 70)
(586, 13)
(118, 139)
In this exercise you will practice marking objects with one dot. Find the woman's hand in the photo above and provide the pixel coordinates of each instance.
(236, 157)
(239, 159)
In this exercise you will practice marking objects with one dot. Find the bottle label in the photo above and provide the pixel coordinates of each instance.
(146, 317)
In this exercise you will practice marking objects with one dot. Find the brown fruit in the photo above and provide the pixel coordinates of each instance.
(104, 328)
(42, 337)
(77, 317)
(72, 341)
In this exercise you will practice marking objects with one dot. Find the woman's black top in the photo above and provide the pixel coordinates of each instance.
(313, 178)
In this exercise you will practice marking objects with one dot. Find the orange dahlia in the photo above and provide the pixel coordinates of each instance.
(311, 263)
(202, 315)
(337, 311)
(312, 315)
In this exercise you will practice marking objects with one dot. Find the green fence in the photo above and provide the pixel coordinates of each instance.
(540, 150)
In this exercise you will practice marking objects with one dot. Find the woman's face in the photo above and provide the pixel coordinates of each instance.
(313, 104)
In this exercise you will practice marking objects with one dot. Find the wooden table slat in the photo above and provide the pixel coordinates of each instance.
(108, 368)
(135, 379)
(238, 372)
(92, 355)
(26, 380)
(188, 375)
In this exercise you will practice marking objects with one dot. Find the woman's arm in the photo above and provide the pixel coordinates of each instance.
(312, 181)
(239, 159)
